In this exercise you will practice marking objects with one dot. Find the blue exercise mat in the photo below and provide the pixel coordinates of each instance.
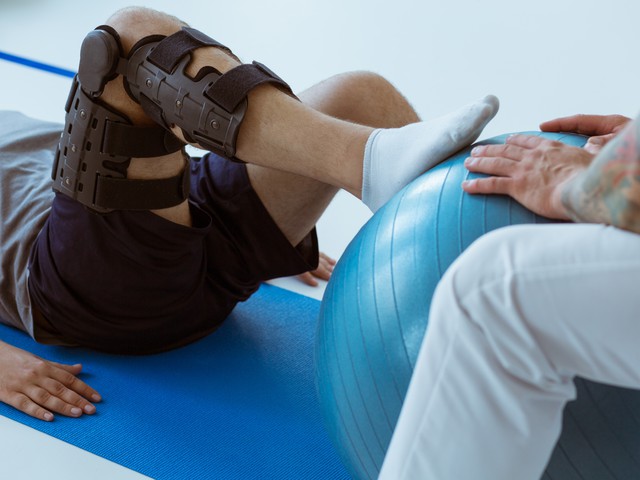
(239, 404)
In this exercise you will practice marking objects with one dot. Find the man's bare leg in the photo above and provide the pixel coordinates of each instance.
(295, 202)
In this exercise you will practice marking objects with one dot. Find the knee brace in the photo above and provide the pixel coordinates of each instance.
(208, 108)
(98, 142)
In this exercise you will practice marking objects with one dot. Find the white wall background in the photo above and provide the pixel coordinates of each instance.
(543, 59)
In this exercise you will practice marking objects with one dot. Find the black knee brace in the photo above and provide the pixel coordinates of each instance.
(208, 108)
(98, 142)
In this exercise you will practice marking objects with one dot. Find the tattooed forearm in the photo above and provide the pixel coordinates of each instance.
(608, 191)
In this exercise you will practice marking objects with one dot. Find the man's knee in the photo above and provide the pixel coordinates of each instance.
(363, 82)
(134, 23)
(348, 95)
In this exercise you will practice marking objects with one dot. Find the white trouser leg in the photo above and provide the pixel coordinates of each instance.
(515, 318)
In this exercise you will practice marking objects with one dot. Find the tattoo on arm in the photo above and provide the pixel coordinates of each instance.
(608, 191)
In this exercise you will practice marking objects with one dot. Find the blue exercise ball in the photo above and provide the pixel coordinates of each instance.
(375, 311)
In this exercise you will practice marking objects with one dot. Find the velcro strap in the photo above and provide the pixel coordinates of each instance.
(168, 53)
(154, 111)
(232, 87)
(144, 142)
(127, 194)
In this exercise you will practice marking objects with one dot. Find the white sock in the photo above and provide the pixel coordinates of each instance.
(394, 157)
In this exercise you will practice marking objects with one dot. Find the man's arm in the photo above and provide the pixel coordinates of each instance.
(39, 387)
(563, 182)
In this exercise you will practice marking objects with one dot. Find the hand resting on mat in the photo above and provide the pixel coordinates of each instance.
(323, 272)
(39, 387)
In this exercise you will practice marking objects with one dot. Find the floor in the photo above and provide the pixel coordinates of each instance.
(557, 58)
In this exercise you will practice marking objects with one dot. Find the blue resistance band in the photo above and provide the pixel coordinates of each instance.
(37, 65)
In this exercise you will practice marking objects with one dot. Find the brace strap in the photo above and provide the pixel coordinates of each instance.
(168, 54)
(121, 194)
(232, 87)
(98, 142)
(208, 108)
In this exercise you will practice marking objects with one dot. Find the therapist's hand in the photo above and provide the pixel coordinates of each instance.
(532, 170)
(41, 388)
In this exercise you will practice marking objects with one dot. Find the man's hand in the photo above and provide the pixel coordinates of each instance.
(601, 128)
(532, 170)
(38, 387)
(324, 271)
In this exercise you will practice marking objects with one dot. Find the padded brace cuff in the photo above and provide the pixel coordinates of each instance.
(209, 108)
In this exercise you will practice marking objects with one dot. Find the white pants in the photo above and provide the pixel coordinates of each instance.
(515, 318)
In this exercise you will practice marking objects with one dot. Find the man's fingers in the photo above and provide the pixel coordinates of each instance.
(52, 402)
(307, 279)
(490, 185)
(23, 403)
(75, 384)
(326, 258)
(56, 389)
(73, 369)
(326, 265)
(39, 387)
(68, 396)
(324, 270)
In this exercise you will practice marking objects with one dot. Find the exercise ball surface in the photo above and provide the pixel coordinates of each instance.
(375, 311)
